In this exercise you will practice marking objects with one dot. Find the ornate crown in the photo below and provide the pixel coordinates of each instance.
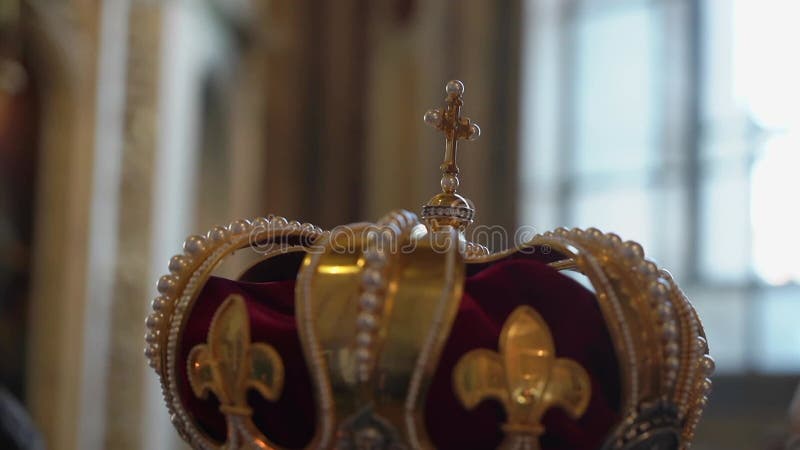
(401, 334)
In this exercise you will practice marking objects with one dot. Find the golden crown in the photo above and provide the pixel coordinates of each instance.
(394, 334)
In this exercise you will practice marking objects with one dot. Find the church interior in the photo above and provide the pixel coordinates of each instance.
(127, 125)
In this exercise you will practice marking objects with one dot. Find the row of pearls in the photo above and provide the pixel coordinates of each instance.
(195, 249)
(474, 250)
(178, 289)
(701, 389)
(178, 414)
(657, 295)
(694, 345)
(606, 293)
(661, 306)
(687, 367)
(370, 305)
(392, 229)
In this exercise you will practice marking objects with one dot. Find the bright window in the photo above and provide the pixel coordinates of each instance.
(677, 124)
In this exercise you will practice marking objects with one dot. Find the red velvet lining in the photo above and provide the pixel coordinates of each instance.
(570, 310)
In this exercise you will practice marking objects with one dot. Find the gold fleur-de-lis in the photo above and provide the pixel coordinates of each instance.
(229, 364)
(525, 376)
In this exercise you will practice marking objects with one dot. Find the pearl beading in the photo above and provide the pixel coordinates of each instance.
(201, 255)
(475, 250)
(686, 365)
(391, 230)
(448, 212)
(571, 241)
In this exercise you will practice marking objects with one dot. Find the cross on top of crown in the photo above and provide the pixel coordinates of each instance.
(454, 127)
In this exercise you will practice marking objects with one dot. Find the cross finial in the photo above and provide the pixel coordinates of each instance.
(455, 128)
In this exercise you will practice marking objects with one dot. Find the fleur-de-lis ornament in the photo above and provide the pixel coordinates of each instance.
(525, 376)
(229, 364)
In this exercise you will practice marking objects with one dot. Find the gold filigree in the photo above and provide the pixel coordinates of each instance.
(229, 364)
(525, 376)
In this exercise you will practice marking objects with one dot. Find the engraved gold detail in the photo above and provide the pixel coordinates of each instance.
(525, 376)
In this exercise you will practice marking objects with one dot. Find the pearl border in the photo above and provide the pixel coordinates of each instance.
(180, 288)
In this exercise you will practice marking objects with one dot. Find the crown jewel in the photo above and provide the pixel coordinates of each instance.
(401, 334)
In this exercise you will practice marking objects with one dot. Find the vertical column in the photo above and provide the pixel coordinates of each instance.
(125, 386)
(103, 236)
(63, 40)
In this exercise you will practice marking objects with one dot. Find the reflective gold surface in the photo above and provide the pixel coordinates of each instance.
(525, 376)
(229, 365)
(421, 296)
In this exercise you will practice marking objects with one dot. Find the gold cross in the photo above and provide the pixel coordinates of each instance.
(453, 126)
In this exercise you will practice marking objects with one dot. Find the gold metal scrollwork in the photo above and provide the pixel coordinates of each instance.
(229, 364)
(525, 376)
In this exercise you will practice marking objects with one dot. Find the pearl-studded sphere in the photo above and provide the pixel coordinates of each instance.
(153, 320)
(372, 279)
(178, 263)
(370, 301)
(194, 245)
(702, 344)
(474, 132)
(367, 321)
(707, 363)
(433, 117)
(454, 88)
(449, 182)
(160, 303)
(166, 284)
(217, 234)
(239, 226)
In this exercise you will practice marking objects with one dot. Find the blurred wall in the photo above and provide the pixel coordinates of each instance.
(161, 119)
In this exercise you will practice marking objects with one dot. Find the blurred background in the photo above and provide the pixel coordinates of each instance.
(126, 125)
